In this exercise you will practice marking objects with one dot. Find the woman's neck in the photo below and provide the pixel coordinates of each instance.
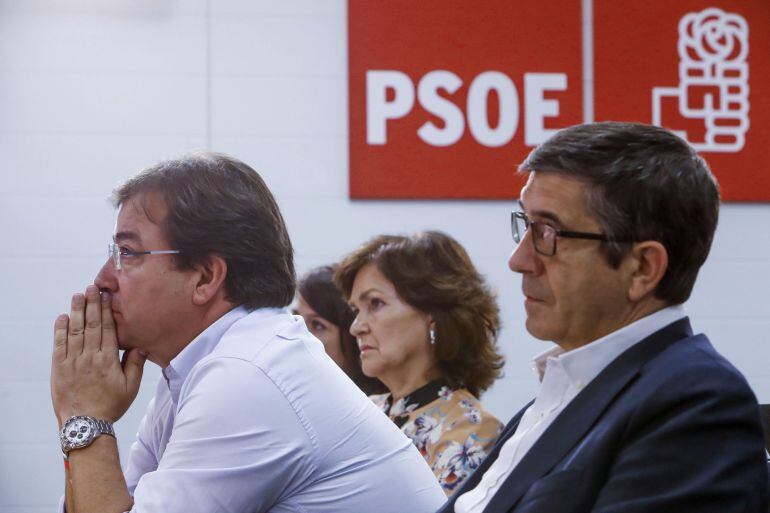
(402, 385)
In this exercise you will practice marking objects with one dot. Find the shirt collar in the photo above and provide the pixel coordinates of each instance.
(400, 410)
(584, 363)
(201, 346)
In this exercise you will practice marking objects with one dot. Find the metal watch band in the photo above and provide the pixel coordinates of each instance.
(104, 427)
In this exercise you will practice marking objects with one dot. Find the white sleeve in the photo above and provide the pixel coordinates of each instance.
(142, 458)
(238, 445)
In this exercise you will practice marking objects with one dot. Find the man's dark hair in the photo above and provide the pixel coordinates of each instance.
(219, 205)
(642, 183)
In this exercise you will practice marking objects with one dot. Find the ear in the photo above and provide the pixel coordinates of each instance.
(211, 279)
(649, 261)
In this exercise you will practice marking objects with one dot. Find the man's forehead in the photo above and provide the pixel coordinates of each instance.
(138, 214)
(126, 236)
(141, 206)
(554, 195)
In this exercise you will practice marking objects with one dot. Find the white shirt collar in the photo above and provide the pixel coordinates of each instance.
(584, 363)
(198, 348)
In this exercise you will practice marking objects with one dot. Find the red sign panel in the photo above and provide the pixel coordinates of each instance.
(447, 97)
(700, 68)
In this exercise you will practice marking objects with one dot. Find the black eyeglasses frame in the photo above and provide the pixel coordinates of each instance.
(567, 234)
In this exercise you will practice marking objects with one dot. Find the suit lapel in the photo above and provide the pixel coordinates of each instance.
(581, 414)
(509, 430)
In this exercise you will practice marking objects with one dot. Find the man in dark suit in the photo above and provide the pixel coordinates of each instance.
(635, 413)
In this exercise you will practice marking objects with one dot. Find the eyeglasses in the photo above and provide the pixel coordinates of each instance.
(116, 253)
(544, 236)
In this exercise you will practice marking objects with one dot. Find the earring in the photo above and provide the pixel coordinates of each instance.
(432, 334)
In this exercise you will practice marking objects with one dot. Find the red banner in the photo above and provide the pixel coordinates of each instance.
(447, 97)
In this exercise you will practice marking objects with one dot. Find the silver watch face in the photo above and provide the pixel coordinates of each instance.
(77, 432)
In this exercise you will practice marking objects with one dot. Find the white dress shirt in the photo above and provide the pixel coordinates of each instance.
(253, 416)
(562, 376)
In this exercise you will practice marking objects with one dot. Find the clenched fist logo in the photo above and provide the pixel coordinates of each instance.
(713, 80)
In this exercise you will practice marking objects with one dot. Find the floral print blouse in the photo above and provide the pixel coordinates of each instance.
(449, 427)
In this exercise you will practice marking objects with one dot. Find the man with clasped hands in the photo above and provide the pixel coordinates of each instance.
(250, 415)
(635, 413)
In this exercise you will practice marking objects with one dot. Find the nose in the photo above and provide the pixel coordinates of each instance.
(358, 326)
(524, 258)
(106, 279)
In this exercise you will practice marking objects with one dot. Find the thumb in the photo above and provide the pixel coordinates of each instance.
(133, 366)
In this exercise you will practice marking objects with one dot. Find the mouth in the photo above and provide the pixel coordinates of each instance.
(533, 303)
(364, 348)
(529, 296)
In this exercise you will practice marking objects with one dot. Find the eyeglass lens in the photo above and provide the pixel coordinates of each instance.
(543, 236)
(518, 227)
(114, 252)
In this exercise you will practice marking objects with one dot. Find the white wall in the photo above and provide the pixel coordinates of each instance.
(91, 91)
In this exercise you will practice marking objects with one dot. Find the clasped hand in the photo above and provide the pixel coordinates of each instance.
(87, 374)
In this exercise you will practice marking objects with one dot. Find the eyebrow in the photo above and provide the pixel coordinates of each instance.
(126, 236)
(365, 294)
(544, 214)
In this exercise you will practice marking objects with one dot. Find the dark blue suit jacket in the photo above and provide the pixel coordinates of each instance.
(668, 426)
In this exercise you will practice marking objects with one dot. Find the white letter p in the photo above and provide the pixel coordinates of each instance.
(378, 109)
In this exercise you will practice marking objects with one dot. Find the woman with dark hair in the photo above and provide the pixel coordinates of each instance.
(328, 318)
(426, 325)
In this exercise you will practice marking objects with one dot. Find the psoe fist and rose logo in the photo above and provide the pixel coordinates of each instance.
(713, 80)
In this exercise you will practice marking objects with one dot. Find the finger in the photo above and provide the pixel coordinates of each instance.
(109, 334)
(75, 331)
(133, 366)
(93, 328)
(60, 338)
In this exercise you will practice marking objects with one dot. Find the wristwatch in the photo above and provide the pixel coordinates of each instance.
(81, 430)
